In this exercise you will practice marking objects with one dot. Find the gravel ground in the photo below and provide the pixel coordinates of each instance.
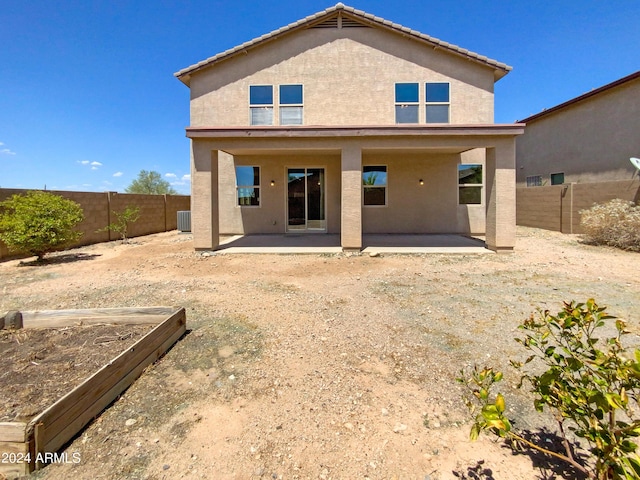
(319, 366)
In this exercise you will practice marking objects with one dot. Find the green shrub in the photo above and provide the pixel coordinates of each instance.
(590, 384)
(123, 219)
(39, 222)
(615, 223)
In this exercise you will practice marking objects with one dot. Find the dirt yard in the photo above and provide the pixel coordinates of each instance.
(318, 366)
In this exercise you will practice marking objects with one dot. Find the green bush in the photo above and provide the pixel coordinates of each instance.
(123, 220)
(591, 385)
(615, 223)
(39, 222)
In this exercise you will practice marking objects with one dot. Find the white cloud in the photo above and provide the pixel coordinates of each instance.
(170, 175)
(186, 178)
(83, 162)
(94, 168)
(106, 182)
(118, 174)
(96, 164)
(6, 151)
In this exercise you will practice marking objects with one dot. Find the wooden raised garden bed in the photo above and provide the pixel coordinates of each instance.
(26, 446)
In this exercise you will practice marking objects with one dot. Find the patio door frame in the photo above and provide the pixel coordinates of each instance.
(323, 186)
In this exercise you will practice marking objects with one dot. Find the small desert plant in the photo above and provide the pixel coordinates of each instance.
(39, 222)
(589, 384)
(123, 219)
(615, 223)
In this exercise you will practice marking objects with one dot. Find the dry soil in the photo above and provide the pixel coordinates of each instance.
(319, 366)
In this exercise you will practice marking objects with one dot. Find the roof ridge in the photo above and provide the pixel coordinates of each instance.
(355, 12)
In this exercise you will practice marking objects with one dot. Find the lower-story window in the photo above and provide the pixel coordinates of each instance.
(374, 184)
(557, 178)
(248, 186)
(469, 184)
(534, 181)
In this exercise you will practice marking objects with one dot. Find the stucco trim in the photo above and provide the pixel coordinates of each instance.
(500, 69)
(511, 129)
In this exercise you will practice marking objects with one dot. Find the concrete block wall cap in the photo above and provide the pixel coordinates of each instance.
(339, 6)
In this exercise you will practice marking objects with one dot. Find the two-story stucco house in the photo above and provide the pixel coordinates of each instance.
(587, 139)
(347, 123)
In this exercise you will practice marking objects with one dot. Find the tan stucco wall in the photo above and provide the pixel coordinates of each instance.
(271, 215)
(349, 78)
(589, 141)
(411, 207)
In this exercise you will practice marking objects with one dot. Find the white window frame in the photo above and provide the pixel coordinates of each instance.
(264, 106)
(551, 178)
(534, 180)
(427, 104)
(385, 186)
(471, 185)
(254, 187)
(406, 104)
(282, 106)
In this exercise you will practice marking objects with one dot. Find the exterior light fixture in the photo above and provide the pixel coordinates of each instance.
(273, 183)
(421, 182)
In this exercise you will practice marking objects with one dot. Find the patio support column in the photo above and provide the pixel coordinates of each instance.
(205, 224)
(351, 198)
(501, 196)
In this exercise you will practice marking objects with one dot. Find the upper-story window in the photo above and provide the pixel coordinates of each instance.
(437, 102)
(261, 104)
(291, 104)
(407, 102)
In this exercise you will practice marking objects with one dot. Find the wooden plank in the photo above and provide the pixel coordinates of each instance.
(93, 387)
(65, 318)
(74, 320)
(75, 402)
(38, 436)
(73, 426)
(13, 432)
(13, 470)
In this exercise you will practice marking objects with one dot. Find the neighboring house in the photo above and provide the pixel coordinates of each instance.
(585, 140)
(347, 123)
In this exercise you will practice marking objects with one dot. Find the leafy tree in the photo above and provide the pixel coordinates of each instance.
(591, 385)
(123, 219)
(39, 222)
(150, 182)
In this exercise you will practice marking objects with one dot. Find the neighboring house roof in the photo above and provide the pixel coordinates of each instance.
(347, 13)
(580, 98)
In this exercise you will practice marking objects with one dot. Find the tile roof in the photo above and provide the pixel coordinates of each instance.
(501, 69)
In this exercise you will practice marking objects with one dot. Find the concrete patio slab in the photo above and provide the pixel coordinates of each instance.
(330, 243)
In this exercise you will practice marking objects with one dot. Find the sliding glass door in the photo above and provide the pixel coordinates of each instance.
(306, 199)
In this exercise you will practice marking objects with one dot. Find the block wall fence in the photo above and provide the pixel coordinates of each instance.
(557, 207)
(158, 213)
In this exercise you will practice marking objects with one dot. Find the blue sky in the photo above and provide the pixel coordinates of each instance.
(88, 97)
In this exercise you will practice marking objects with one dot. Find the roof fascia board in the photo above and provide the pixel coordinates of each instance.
(509, 129)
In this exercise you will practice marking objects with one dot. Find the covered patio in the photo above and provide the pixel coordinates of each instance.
(372, 244)
(344, 151)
